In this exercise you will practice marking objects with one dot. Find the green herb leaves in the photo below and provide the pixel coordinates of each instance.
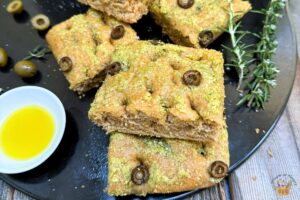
(263, 77)
(241, 57)
(265, 73)
(38, 52)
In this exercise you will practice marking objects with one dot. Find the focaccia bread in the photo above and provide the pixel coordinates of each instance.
(129, 11)
(144, 165)
(195, 23)
(162, 90)
(83, 46)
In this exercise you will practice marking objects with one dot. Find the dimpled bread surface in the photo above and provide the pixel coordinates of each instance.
(129, 11)
(173, 165)
(85, 39)
(184, 25)
(148, 97)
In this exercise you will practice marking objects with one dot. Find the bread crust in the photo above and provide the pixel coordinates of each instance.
(150, 98)
(129, 11)
(173, 165)
(85, 39)
(184, 26)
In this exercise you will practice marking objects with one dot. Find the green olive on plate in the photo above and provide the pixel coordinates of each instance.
(40, 22)
(3, 57)
(25, 69)
(15, 7)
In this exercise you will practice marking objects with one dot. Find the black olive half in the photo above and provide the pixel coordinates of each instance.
(117, 32)
(192, 77)
(218, 169)
(140, 175)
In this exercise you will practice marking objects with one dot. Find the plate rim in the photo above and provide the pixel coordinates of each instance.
(246, 157)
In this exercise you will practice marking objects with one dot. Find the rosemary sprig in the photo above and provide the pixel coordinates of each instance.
(38, 52)
(242, 57)
(265, 73)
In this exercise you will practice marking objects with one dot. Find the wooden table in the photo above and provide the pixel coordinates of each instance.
(273, 172)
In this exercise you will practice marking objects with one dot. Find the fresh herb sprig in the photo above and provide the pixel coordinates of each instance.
(265, 73)
(38, 52)
(242, 57)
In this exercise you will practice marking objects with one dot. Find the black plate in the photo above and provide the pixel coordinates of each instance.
(78, 168)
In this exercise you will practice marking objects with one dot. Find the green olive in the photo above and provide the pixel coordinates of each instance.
(40, 22)
(15, 7)
(3, 57)
(25, 69)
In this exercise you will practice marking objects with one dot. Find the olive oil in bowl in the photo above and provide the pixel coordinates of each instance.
(27, 132)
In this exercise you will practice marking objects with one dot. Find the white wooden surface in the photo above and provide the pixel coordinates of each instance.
(279, 155)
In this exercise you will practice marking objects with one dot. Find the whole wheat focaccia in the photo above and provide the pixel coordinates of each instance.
(195, 23)
(144, 165)
(162, 90)
(83, 46)
(129, 11)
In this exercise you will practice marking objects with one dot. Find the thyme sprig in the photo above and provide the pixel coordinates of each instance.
(38, 52)
(242, 57)
(265, 73)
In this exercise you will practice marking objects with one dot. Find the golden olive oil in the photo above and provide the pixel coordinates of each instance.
(27, 132)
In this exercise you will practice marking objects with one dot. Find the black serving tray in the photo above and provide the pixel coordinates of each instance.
(78, 168)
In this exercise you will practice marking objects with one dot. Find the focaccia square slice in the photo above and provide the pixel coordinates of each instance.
(195, 23)
(162, 90)
(129, 11)
(144, 165)
(83, 46)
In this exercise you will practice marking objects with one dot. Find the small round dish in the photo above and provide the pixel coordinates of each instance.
(27, 96)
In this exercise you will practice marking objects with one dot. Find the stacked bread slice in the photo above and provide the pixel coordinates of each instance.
(162, 104)
(163, 92)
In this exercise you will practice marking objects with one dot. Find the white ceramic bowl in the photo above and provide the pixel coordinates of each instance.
(24, 96)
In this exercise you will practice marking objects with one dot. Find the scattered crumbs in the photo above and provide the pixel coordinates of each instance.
(86, 155)
(6, 45)
(254, 178)
(257, 130)
(49, 180)
(81, 96)
(105, 189)
(149, 29)
(83, 168)
(1, 90)
(72, 4)
(7, 87)
(53, 189)
(54, 70)
(270, 153)
(82, 186)
(240, 121)
(75, 187)
(264, 131)
(48, 75)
